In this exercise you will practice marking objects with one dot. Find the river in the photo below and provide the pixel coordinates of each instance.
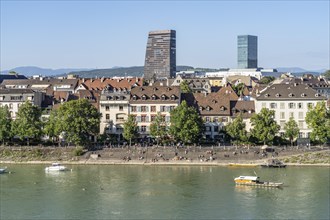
(161, 192)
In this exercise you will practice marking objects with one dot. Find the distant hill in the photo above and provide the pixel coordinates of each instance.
(33, 70)
(299, 70)
(121, 71)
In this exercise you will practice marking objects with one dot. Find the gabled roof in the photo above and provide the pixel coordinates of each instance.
(289, 92)
(148, 91)
(118, 83)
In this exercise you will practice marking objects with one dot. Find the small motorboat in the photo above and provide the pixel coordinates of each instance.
(3, 170)
(254, 181)
(274, 163)
(55, 167)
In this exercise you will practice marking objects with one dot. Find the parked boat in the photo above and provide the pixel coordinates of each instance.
(3, 170)
(56, 167)
(254, 181)
(275, 163)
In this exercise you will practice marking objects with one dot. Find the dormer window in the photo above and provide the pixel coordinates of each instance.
(134, 97)
(208, 108)
(290, 95)
(153, 97)
(172, 97)
(277, 95)
(163, 97)
(303, 95)
(222, 108)
(144, 97)
(266, 95)
(200, 108)
(317, 95)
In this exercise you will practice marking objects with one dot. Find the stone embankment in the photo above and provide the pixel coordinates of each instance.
(222, 155)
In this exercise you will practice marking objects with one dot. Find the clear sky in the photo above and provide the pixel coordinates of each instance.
(103, 34)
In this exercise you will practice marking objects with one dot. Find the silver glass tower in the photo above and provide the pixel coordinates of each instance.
(247, 51)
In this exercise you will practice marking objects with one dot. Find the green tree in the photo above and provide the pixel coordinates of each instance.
(264, 126)
(184, 86)
(186, 124)
(291, 130)
(236, 130)
(77, 120)
(52, 125)
(318, 118)
(130, 129)
(28, 122)
(5, 123)
(267, 79)
(239, 88)
(326, 74)
(158, 128)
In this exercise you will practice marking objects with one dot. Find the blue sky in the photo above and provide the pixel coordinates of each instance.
(103, 34)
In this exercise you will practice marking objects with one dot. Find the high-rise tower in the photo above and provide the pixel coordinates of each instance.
(247, 51)
(160, 61)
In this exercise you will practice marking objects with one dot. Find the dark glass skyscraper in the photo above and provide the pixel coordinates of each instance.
(247, 51)
(160, 59)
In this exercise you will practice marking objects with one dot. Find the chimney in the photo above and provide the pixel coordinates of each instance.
(102, 79)
(83, 80)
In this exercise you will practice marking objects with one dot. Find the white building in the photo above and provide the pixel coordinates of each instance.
(289, 100)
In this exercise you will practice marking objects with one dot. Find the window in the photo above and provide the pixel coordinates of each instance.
(282, 115)
(107, 116)
(10, 106)
(224, 119)
(153, 109)
(282, 124)
(172, 108)
(300, 105)
(153, 97)
(15, 97)
(215, 119)
(292, 105)
(152, 117)
(216, 128)
(133, 108)
(310, 105)
(143, 108)
(207, 119)
(163, 97)
(207, 128)
(162, 108)
(282, 105)
(107, 108)
(172, 97)
(121, 108)
(263, 105)
(143, 128)
(134, 97)
(143, 118)
(301, 115)
(301, 124)
(291, 115)
(273, 105)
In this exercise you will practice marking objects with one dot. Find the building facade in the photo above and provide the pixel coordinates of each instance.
(289, 100)
(247, 51)
(160, 60)
(14, 98)
(147, 101)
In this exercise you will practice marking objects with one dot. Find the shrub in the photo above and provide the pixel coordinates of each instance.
(78, 151)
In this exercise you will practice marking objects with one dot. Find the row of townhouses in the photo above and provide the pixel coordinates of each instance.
(214, 99)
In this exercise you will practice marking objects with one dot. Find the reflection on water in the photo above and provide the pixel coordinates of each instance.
(168, 192)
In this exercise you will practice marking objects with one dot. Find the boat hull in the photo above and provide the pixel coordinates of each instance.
(262, 184)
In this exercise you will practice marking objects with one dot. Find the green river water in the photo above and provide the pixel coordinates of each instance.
(161, 192)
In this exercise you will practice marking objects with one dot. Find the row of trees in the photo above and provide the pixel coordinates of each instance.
(187, 126)
(76, 121)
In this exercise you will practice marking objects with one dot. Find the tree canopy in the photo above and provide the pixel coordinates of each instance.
(239, 88)
(76, 120)
(267, 79)
(291, 130)
(326, 74)
(184, 86)
(130, 129)
(264, 126)
(158, 128)
(28, 122)
(236, 130)
(318, 118)
(186, 124)
(5, 123)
